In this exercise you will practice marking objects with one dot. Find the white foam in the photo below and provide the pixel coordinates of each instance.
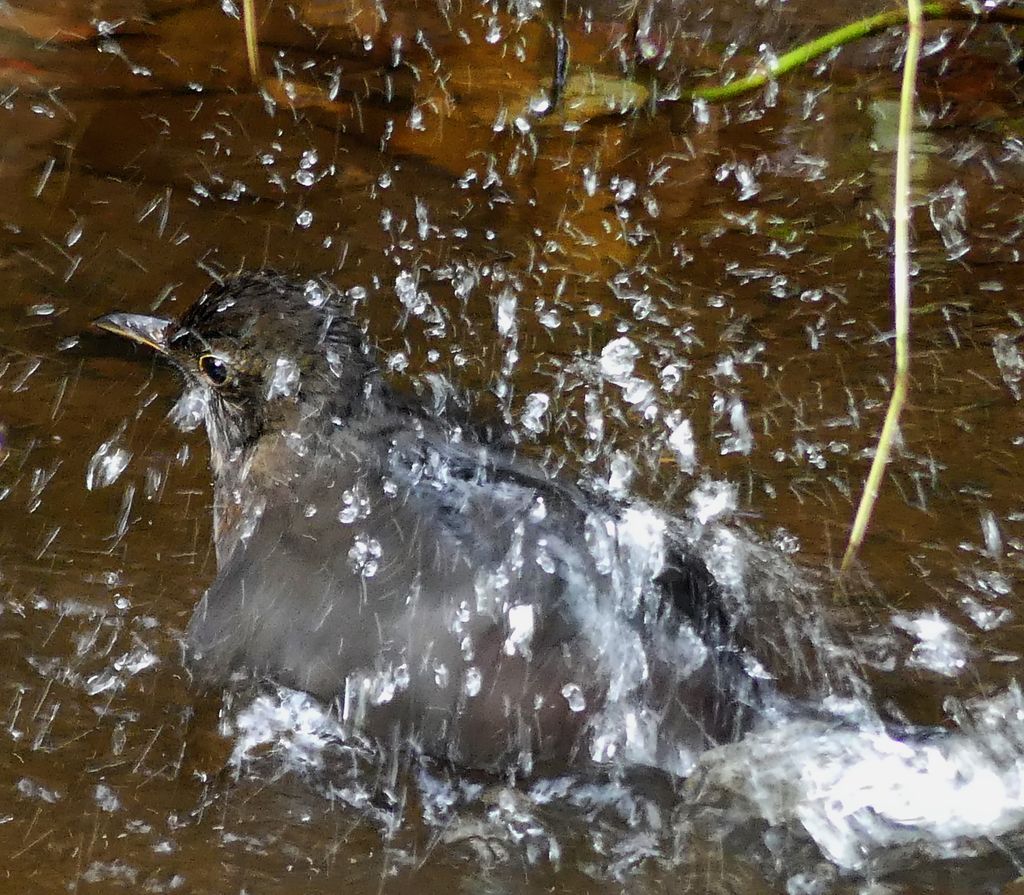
(940, 646)
(296, 725)
(861, 792)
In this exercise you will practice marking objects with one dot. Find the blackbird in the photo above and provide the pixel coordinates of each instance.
(444, 593)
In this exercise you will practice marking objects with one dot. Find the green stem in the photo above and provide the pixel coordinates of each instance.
(901, 287)
(801, 55)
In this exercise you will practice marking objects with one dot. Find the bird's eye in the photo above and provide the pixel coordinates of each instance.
(214, 369)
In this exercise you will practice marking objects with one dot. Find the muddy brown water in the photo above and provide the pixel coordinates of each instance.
(744, 249)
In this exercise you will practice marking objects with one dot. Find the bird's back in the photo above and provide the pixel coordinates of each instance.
(452, 594)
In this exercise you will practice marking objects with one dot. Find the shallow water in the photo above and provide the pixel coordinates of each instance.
(743, 252)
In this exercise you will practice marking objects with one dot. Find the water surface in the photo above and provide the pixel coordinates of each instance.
(743, 252)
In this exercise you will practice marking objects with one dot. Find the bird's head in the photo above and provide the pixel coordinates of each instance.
(259, 353)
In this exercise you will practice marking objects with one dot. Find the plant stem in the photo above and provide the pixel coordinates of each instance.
(801, 55)
(249, 24)
(901, 284)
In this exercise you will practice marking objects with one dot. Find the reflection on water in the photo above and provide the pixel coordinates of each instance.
(688, 307)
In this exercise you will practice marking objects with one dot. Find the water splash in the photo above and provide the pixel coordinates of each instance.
(948, 211)
(867, 795)
(106, 465)
(1010, 362)
(940, 646)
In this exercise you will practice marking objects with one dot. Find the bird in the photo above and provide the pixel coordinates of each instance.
(411, 568)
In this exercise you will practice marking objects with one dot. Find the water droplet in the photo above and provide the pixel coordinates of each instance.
(550, 319)
(355, 504)
(364, 556)
(681, 440)
(620, 474)
(409, 294)
(520, 623)
(284, 381)
(189, 410)
(398, 361)
(315, 293)
(940, 645)
(1010, 362)
(533, 412)
(618, 358)
(106, 465)
(573, 694)
(74, 234)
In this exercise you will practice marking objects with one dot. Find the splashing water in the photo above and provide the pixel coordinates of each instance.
(862, 793)
(189, 410)
(948, 211)
(1010, 362)
(940, 646)
(618, 358)
(106, 465)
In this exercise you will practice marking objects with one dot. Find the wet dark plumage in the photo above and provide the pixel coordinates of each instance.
(446, 593)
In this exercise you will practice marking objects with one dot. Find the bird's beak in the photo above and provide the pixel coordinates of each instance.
(150, 331)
